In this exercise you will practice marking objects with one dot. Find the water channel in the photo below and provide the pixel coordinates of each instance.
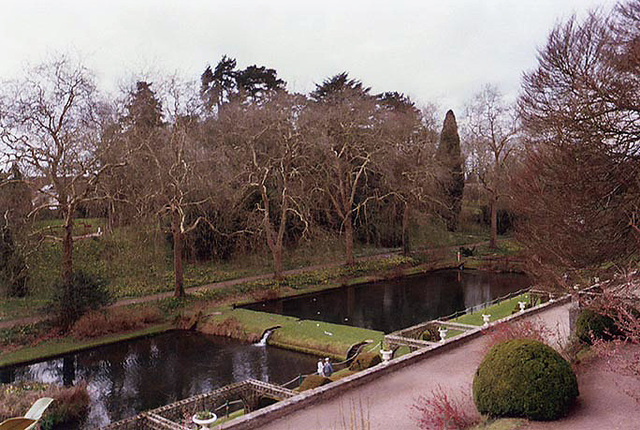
(130, 377)
(392, 305)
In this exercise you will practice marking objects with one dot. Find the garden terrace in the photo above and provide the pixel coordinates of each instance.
(469, 319)
(170, 417)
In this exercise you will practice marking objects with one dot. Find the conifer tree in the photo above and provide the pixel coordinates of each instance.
(449, 157)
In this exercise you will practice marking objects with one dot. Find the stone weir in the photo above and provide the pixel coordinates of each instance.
(171, 417)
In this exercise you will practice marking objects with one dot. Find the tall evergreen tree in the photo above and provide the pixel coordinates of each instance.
(218, 84)
(225, 83)
(335, 88)
(450, 158)
(144, 109)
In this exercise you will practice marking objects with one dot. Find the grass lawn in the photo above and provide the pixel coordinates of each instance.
(14, 307)
(453, 333)
(59, 346)
(323, 338)
(137, 261)
(497, 311)
(253, 323)
(313, 337)
(232, 416)
(80, 225)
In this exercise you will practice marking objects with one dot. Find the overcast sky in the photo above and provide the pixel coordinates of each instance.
(433, 50)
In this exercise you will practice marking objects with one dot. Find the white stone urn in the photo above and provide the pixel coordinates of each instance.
(522, 305)
(205, 422)
(443, 333)
(386, 355)
(486, 318)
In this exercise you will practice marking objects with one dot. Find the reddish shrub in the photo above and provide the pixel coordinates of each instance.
(525, 329)
(622, 358)
(619, 301)
(70, 403)
(115, 320)
(268, 294)
(441, 411)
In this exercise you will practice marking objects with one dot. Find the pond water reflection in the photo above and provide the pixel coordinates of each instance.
(391, 305)
(130, 377)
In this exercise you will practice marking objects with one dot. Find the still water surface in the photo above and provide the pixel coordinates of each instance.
(127, 378)
(392, 305)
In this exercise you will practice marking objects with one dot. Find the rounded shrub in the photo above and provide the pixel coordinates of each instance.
(365, 360)
(313, 381)
(524, 378)
(592, 325)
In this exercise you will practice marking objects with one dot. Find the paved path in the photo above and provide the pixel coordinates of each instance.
(603, 403)
(387, 400)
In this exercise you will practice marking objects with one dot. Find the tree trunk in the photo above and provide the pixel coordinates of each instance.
(405, 230)
(277, 262)
(67, 251)
(177, 254)
(275, 245)
(348, 236)
(110, 217)
(494, 223)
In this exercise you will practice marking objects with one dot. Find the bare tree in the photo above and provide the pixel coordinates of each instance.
(492, 138)
(170, 169)
(408, 140)
(581, 116)
(51, 126)
(266, 144)
(344, 148)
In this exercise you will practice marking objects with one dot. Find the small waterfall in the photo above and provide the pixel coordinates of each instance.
(265, 336)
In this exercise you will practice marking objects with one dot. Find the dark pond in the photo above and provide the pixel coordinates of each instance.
(391, 305)
(127, 378)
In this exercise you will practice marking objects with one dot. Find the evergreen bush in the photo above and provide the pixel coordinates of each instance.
(14, 274)
(524, 378)
(365, 360)
(592, 325)
(73, 298)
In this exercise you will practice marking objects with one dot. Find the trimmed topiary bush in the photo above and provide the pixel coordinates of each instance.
(524, 378)
(430, 333)
(313, 381)
(592, 325)
(365, 360)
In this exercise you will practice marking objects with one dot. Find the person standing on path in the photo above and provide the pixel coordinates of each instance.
(320, 367)
(327, 370)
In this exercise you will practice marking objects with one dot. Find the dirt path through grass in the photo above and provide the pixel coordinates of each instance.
(232, 282)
